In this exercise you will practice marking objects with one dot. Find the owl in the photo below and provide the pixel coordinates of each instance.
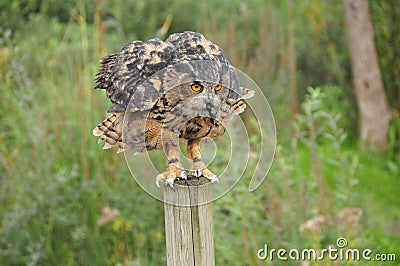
(181, 89)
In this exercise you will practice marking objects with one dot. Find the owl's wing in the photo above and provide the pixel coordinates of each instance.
(197, 59)
(121, 73)
(138, 75)
(194, 46)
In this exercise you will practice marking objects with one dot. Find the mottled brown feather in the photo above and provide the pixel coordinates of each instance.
(150, 81)
(110, 130)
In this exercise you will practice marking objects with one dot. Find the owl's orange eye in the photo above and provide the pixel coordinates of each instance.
(218, 87)
(196, 87)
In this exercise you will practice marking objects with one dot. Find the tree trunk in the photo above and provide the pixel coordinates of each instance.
(369, 90)
(294, 103)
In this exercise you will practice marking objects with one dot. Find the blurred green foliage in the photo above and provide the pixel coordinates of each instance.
(385, 17)
(56, 183)
(15, 14)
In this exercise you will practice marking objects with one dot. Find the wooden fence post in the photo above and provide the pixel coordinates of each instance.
(189, 230)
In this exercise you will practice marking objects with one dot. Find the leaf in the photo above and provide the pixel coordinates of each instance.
(329, 136)
(333, 162)
(354, 181)
(342, 137)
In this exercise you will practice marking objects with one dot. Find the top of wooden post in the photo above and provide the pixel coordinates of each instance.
(197, 189)
(192, 181)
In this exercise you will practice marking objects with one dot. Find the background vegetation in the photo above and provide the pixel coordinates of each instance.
(65, 201)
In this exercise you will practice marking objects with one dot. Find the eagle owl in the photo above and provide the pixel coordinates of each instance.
(162, 91)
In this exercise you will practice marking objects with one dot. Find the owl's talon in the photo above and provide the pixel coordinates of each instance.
(183, 175)
(158, 179)
(173, 172)
(214, 179)
(197, 173)
(170, 182)
(198, 169)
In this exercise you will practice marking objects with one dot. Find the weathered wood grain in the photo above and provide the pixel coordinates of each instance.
(189, 227)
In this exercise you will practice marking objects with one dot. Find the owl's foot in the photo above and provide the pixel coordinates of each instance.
(173, 172)
(199, 169)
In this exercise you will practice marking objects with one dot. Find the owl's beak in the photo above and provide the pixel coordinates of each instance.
(211, 109)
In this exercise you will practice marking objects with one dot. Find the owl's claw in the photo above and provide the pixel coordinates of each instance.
(198, 170)
(213, 179)
(183, 175)
(170, 182)
(173, 172)
(158, 179)
(197, 173)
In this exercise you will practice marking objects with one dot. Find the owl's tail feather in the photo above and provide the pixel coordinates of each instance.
(110, 131)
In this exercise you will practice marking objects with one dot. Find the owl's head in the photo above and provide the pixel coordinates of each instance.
(203, 98)
(201, 85)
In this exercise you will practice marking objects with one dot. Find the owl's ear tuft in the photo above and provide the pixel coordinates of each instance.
(247, 93)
